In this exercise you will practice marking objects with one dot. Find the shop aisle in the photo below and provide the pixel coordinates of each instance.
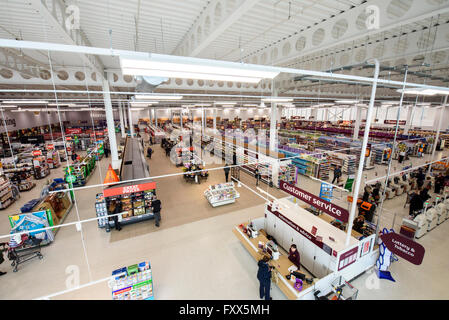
(184, 202)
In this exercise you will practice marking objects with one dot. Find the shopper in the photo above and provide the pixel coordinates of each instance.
(264, 277)
(337, 174)
(439, 183)
(114, 208)
(106, 151)
(257, 175)
(226, 171)
(156, 206)
(401, 156)
(74, 156)
(4, 249)
(293, 256)
(367, 193)
(149, 152)
(428, 183)
(358, 224)
(416, 203)
(420, 178)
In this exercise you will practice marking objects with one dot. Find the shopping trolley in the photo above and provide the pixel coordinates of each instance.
(29, 248)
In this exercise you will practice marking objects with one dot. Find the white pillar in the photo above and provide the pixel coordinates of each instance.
(149, 114)
(214, 125)
(326, 114)
(358, 120)
(443, 107)
(362, 153)
(125, 118)
(122, 123)
(203, 121)
(273, 120)
(408, 122)
(180, 119)
(155, 116)
(314, 114)
(110, 124)
(130, 119)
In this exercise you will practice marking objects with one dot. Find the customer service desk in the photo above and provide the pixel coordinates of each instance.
(281, 265)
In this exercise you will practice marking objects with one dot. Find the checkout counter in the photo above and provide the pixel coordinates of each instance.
(321, 246)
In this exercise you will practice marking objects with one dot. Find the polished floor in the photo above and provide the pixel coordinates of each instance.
(194, 254)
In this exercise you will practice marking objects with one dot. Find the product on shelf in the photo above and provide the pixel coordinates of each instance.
(6, 196)
(41, 169)
(53, 159)
(221, 194)
(133, 283)
(135, 202)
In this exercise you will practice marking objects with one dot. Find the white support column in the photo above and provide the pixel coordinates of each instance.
(314, 113)
(125, 118)
(358, 120)
(408, 122)
(326, 114)
(362, 153)
(180, 119)
(122, 123)
(110, 124)
(437, 136)
(155, 116)
(273, 121)
(149, 113)
(214, 125)
(203, 121)
(130, 119)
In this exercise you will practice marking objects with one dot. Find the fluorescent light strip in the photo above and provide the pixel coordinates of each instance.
(424, 91)
(194, 68)
(225, 102)
(347, 101)
(277, 99)
(143, 103)
(157, 97)
(24, 102)
(187, 75)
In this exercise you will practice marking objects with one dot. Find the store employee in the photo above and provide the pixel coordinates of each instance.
(293, 256)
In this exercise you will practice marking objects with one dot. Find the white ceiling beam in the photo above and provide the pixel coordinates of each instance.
(56, 17)
(217, 30)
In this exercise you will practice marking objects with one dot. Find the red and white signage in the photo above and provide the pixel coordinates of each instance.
(129, 189)
(73, 131)
(401, 122)
(37, 153)
(50, 147)
(347, 258)
(331, 209)
(403, 247)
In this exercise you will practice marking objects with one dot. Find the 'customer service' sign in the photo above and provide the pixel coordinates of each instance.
(320, 204)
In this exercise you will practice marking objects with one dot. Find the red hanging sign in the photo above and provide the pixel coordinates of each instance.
(73, 131)
(50, 147)
(403, 247)
(129, 189)
(37, 153)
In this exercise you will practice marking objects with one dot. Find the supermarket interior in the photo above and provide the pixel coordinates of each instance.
(224, 150)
